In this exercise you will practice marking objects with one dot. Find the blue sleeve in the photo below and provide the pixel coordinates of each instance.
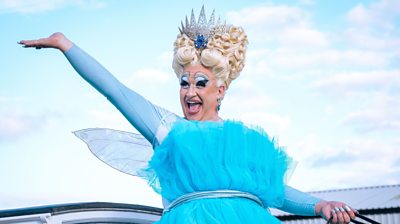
(299, 203)
(141, 113)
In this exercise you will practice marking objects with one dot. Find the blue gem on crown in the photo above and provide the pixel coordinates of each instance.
(200, 42)
(201, 31)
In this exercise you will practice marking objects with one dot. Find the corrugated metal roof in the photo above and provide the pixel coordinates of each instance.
(361, 198)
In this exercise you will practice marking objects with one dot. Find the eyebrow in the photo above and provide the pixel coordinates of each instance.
(200, 74)
(184, 75)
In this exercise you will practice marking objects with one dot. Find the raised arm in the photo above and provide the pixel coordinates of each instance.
(141, 113)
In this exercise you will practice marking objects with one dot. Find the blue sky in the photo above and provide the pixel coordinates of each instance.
(322, 76)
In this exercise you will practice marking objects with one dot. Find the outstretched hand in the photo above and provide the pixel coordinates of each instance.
(56, 40)
(338, 211)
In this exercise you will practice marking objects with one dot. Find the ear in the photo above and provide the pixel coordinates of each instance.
(221, 91)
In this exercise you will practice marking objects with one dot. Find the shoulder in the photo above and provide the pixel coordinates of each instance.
(167, 122)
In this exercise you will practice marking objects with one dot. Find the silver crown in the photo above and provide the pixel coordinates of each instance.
(202, 30)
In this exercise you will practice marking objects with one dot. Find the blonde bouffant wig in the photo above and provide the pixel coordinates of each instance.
(224, 54)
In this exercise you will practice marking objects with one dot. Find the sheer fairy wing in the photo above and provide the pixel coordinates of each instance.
(124, 151)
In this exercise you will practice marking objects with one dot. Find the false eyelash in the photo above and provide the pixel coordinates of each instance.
(202, 83)
(184, 83)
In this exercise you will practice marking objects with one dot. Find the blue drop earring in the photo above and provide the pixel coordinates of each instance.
(219, 103)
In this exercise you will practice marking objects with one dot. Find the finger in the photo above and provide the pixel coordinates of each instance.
(334, 216)
(32, 43)
(346, 216)
(350, 211)
(339, 215)
(28, 43)
(23, 42)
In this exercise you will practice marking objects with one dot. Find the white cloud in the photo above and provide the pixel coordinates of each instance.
(381, 13)
(374, 26)
(258, 63)
(347, 58)
(269, 16)
(292, 61)
(382, 114)
(15, 124)
(304, 51)
(356, 83)
(287, 25)
(165, 60)
(10, 99)
(372, 40)
(151, 76)
(31, 6)
(272, 123)
(35, 6)
(349, 162)
(359, 14)
(158, 75)
(302, 36)
(379, 91)
(307, 147)
(279, 23)
(248, 95)
(110, 119)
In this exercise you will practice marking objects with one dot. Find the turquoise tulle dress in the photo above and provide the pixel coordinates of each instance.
(207, 156)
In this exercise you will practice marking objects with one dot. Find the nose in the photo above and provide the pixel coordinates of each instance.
(191, 91)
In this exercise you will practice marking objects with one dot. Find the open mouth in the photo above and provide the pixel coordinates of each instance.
(193, 107)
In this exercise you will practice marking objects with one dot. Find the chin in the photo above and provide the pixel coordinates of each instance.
(192, 118)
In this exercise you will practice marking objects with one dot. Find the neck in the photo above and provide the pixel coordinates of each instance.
(212, 118)
(215, 118)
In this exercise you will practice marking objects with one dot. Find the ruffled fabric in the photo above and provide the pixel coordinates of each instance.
(206, 156)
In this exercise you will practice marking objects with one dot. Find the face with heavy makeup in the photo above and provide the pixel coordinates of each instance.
(199, 93)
